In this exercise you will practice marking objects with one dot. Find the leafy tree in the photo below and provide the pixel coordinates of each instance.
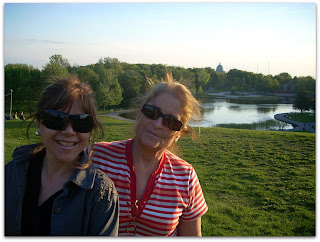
(305, 84)
(144, 70)
(109, 95)
(266, 83)
(88, 76)
(283, 78)
(213, 81)
(186, 77)
(202, 77)
(57, 67)
(302, 101)
(221, 81)
(159, 70)
(26, 83)
(130, 88)
(109, 92)
(112, 63)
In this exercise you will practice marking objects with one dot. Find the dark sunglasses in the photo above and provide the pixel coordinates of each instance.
(57, 120)
(168, 121)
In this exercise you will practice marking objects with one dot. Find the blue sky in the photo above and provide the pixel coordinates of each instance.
(268, 38)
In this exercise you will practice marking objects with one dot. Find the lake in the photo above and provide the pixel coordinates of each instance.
(220, 111)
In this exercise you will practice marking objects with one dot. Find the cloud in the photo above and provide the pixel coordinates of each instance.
(44, 41)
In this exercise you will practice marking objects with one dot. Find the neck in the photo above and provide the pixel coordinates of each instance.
(53, 169)
(147, 157)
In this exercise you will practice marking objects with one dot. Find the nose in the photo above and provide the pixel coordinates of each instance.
(68, 129)
(158, 123)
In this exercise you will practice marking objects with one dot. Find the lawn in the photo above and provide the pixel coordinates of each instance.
(306, 117)
(256, 183)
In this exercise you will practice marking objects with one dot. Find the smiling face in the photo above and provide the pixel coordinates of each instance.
(151, 134)
(64, 146)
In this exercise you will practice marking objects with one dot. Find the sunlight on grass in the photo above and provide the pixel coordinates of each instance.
(256, 183)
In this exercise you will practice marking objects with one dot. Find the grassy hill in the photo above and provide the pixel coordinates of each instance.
(256, 183)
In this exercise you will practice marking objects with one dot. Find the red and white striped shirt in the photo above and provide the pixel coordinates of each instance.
(173, 192)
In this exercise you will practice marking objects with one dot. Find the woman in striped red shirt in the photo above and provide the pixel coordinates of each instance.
(160, 194)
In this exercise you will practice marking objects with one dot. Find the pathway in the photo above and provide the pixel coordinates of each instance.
(299, 125)
(116, 115)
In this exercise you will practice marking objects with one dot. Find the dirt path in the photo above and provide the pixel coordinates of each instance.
(116, 115)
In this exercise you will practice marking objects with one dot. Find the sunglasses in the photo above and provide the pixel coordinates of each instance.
(168, 121)
(57, 120)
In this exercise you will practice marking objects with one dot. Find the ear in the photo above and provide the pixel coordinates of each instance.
(138, 117)
(184, 131)
(180, 133)
(38, 127)
(177, 138)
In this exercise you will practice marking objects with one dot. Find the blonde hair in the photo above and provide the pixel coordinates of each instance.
(190, 106)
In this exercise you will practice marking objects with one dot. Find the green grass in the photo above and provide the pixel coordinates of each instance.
(256, 183)
(303, 117)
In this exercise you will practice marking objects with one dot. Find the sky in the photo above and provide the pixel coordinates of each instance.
(268, 38)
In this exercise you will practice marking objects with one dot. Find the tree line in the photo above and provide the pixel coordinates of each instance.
(117, 83)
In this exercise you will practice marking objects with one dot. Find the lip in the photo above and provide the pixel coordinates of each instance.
(153, 134)
(66, 144)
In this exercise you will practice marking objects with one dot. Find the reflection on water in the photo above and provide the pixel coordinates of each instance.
(267, 109)
(235, 108)
(223, 112)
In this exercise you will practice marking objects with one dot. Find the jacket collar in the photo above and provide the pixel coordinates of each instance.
(84, 177)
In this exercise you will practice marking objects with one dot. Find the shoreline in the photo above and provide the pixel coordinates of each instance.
(281, 117)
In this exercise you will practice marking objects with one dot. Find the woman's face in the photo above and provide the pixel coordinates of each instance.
(151, 133)
(64, 146)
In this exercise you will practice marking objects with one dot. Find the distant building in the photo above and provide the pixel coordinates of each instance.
(219, 68)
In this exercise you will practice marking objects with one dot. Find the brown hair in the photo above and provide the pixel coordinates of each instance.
(60, 95)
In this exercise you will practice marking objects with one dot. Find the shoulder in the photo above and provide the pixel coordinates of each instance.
(103, 185)
(177, 166)
(114, 147)
(121, 144)
(21, 153)
(176, 160)
(23, 150)
(102, 180)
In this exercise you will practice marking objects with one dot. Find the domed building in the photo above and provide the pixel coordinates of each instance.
(219, 68)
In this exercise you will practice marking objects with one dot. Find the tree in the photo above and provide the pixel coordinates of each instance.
(202, 78)
(26, 83)
(305, 84)
(88, 76)
(109, 91)
(57, 67)
(109, 95)
(283, 78)
(266, 83)
(302, 101)
(213, 81)
(159, 70)
(112, 63)
(130, 88)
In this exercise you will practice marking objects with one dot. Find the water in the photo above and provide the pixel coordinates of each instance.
(222, 112)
